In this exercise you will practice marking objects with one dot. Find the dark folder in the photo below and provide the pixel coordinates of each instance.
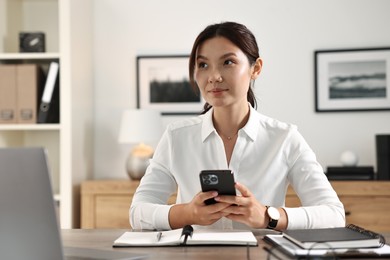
(49, 108)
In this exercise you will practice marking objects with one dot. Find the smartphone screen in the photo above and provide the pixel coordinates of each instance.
(221, 181)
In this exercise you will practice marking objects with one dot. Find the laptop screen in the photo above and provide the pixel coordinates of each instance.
(28, 222)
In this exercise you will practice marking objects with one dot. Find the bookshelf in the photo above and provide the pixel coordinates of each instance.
(67, 25)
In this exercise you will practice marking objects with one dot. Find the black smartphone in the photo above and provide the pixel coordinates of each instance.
(221, 181)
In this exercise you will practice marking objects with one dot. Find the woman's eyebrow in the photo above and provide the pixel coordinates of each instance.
(224, 56)
(228, 55)
(201, 57)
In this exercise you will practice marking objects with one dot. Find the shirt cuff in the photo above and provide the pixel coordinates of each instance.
(161, 217)
(297, 218)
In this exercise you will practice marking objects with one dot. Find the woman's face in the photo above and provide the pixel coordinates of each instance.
(222, 73)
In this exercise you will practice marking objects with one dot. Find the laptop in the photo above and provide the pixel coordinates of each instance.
(28, 221)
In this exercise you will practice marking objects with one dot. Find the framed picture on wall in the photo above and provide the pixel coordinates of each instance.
(163, 84)
(352, 80)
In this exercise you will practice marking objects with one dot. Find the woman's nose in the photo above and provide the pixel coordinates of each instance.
(215, 76)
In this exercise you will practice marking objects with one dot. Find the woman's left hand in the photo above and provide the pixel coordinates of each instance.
(245, 209)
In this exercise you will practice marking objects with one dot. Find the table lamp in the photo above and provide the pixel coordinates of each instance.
(139, 127)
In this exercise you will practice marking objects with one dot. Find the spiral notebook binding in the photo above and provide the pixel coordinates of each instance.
(370, 233)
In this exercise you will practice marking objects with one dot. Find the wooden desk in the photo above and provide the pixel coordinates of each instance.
(105, 203)
(103, 239)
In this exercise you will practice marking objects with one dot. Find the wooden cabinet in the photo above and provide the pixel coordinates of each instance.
(105, 203)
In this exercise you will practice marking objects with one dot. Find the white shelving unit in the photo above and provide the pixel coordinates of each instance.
(29, 56)
(67, 25)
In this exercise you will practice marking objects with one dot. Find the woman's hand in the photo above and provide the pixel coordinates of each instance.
(245, 208)
(197, 212)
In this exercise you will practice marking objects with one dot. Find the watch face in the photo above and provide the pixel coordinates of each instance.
(273, 213)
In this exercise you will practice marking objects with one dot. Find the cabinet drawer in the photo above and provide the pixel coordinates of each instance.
(112, 211)
(370, 212)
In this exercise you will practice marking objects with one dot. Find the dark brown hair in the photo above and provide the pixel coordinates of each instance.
(239, 35)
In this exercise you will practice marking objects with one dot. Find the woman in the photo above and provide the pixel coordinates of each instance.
(265, 155)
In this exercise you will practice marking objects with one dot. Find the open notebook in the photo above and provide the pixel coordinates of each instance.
(176, 237)
(28, 221)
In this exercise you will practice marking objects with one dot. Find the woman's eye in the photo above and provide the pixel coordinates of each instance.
(202, 65)
(228, 62)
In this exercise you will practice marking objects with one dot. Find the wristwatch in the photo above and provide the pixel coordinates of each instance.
(274, 216)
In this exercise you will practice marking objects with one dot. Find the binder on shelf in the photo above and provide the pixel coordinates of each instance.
(28, 79)
(8, 98)
(50, 99)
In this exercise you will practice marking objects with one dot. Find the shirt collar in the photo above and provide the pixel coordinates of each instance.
(252, 126)
(250, 129)
(207, 125)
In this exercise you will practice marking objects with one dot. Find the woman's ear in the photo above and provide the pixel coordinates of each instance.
(256, 68)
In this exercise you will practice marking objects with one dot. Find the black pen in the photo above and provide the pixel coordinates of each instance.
(159, 235)
(187, 231)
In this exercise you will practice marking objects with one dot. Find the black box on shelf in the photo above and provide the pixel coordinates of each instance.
(31, 42)
(350, 173)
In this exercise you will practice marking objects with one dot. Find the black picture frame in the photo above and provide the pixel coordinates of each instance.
(163, 84)
(352, 79)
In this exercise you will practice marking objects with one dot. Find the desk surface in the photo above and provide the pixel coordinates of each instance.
(103, 238)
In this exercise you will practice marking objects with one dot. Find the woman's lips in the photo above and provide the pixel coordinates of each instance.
(217, 90)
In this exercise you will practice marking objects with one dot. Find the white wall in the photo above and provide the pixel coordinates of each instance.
(288, 32)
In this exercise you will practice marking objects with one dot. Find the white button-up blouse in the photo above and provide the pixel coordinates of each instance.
(267, 157)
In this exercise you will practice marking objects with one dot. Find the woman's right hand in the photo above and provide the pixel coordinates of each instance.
(196, 211)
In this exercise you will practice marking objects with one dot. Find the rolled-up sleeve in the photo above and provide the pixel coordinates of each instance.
(149, 209)
(321, 206)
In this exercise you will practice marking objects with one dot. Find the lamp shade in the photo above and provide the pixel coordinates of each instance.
(140, 126)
